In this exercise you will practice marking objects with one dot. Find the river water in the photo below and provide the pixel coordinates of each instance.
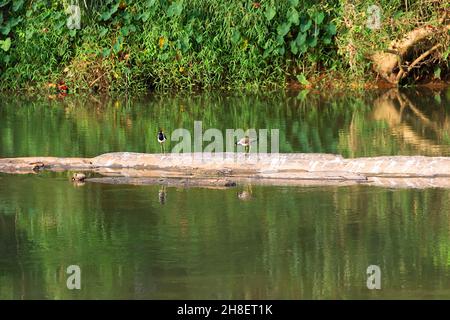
(149, 242)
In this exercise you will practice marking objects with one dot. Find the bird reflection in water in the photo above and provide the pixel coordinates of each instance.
(246, 194)
(162, 194)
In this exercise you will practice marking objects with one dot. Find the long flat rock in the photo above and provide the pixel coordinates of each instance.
(394, 171)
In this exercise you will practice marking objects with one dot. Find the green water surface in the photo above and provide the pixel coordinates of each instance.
(280, 243)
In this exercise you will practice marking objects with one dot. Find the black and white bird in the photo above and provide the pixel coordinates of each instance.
(245, 142)
(162, 139)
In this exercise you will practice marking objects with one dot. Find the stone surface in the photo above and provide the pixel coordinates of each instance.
(285, 169)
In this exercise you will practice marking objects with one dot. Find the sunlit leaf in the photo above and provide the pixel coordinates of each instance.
(175, 8)
(145, 16)
(270, 13)
(437, 73)
(302, 79)
(5, 44)
(301, 38)
(318, 18)
(293, 16)
(283, 29)
(305, 25)
(294, 48)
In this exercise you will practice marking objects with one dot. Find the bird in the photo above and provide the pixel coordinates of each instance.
(162, 139)
(245, 142)
(37, 166)
(78, 177)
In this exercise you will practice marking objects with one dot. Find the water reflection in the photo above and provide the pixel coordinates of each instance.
(246, 194)
(287, 243)
(162, 195)
(411, 125)
(353, 124)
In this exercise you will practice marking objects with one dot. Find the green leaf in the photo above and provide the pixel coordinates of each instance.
(301, 38)
(6, 59)
(293, 16)
(437, 73)
(4, 3)
(175, 9)
(326, 40)
(5, 44)
(145, 16)
(303, 48)
(305, 25)
(270, 13)
(312, 42)
(446, 53)
(114, 8)
(283, 29)
(29, 34)
(5, 30)
(73, 32)
(293, 3)
(124, 31)
(103, 32)
(267, 52)
(131, 28)
(150, 3)
(106, 52)
(105, 16)
(318, 18)
(117, 45)
(17, 5)
(302, 94)
(280, 40)
(437, 98)
(331, 29)
(316, 32)
(302, 79)
(12, 22)
(235, 37)
(294, 48)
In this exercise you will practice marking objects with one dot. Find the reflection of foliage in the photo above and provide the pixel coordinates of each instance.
(287, 243)
(307, 122)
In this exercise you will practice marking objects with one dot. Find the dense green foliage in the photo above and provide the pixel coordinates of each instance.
(194, 44)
